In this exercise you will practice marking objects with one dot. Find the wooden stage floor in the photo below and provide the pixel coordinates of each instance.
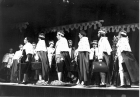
(14, 89)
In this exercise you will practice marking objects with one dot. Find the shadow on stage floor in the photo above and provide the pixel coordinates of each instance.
(14, 89)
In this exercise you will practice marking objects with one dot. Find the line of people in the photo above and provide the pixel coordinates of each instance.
(76, 65)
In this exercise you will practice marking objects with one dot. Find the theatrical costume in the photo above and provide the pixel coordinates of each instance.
(5, 69)
(104, 50)
(94, 76)
(127, 63)
(83, 59)
(43, 55)
(114, 69)
(35, 57)
(62, 57)
(73, 74)
(7, 60)
(72, 56)
(93, 53)
(27, 59)
(14, 69)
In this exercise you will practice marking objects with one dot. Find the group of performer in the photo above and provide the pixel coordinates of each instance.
(76, 65)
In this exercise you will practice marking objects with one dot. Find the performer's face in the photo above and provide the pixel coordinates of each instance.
(80, 36)
(94, 45)
(70, 44)
(58, 36)
(10, 50)
(34, 46)
(25, 40)
(99, 34)
(21, 47)
(52, 44)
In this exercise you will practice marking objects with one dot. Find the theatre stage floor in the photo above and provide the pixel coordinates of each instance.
(14, 89)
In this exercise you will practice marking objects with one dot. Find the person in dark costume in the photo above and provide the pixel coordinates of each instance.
(128, 67)
(114, 68)
(73, 67)
(35, 58)
(95, 76)
(82, 53)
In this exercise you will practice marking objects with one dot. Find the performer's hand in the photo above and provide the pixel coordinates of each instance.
(76, 53)
(62, 59)
(36, 61)
(8, 66)
(75, 59)
(100, 60)
(72, 60)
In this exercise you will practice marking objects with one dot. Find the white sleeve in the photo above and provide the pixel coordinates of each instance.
(84, 45)
(29, 50)
(107, 47)
(91, 54)
(63, 45)
(5, 58)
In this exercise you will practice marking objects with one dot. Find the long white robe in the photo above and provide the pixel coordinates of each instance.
(103, 46)
(61, 45)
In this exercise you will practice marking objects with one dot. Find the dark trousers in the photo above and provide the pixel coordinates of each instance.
(83, 64)
(94, 76)
(14, 71)
(66, 66)
(45, 64)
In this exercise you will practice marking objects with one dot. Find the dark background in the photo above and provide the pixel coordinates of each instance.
(42, 14)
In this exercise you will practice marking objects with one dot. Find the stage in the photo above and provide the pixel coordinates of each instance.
(14, 89)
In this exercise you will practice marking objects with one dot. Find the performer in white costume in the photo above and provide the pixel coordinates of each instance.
(62, 56)
(103, 48)
(82, 53)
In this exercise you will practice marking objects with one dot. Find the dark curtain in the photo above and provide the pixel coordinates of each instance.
(74, 37)
(134, 43)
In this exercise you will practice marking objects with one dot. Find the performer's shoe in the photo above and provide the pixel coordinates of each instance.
(128, 86)
(26, 82)
(102, 85)
(122, 86)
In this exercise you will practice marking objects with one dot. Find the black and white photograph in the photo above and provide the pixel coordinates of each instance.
(69, 48)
